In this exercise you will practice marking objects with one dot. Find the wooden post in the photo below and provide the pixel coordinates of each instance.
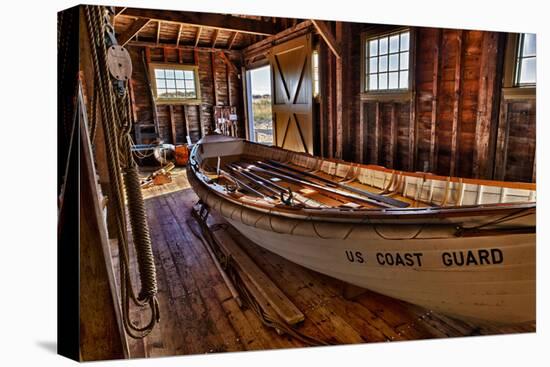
(455, 133)
(228, 81)
(330, 105)
(501, 155)
(413, 124)
(361, 152)
(435, 88)
(339, 97)
(215, 89)
(377, 134)
(186, 120)
(487, 88)
(393, 136)
(172, 123)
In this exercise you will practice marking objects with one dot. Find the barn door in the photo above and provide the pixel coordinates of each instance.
(292, 99)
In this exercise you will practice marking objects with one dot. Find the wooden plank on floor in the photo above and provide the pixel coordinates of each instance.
(279, 301)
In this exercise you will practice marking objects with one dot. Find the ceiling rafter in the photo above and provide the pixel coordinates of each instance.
(216, 21)
(132, 30)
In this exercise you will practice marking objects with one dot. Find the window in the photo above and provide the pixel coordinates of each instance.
(175, 83)
(315, 73)
(526, 61)
(387, 62)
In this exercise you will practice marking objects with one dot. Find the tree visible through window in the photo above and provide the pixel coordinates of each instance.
(526, 63)
(387, 62)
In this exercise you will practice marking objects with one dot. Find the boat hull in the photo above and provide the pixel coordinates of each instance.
(479, 278)
(472, 261)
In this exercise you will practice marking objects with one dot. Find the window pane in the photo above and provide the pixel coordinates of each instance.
(179, 74)
(373, 65)
(404, 63)
(393, 81)
(161, 93)
(404, 79)
(170, 83)
(179, 84)
(529, 44)
(394, 62)
(159, 73)
(161, 83)
(383, 47)
(383, 81)
(189, 74)
(190, 85)
(383, 63)
(315, 59)
(171, 93)
(405, 41)
(373, 48)
(190, 94)
(373, 82)
(528, 71)
(169, 74)
(394, 43)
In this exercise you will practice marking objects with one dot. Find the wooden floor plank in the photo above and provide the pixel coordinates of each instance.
(199, 315)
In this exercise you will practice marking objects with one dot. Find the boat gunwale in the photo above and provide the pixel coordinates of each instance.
(337, 214)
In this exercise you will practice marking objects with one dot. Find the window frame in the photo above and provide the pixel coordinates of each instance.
(172, 66)
(387, 94)
(517, 60)
(509, 89)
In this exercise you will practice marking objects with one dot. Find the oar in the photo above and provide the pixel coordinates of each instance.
(292, 178)
(380, 198)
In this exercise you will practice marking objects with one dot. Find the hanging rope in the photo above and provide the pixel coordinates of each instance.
(113, 111)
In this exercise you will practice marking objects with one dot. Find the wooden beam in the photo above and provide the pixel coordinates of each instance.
(132, 30)
(228, 81)
(158, 32)
(232, 40)
(180, 47)
(186, 121)
(413, 123)
(179, 35)
(210, 20)
(361, 148)
(330, 105)
(393, 135)
(377, 134)
(501, 156)
(487, 92)
(268, 42)
(228, 62)
(455, 133)
(172, 123)
(435, 89)
(214, 81)
(215, 37)
(329, 38)
(198, 36)
(339, 99)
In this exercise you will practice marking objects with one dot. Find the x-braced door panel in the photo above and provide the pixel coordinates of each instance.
(292, 99)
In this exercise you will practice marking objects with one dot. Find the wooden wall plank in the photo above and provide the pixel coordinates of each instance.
(455, 133)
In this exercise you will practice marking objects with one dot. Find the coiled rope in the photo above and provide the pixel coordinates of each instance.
(115, 119)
